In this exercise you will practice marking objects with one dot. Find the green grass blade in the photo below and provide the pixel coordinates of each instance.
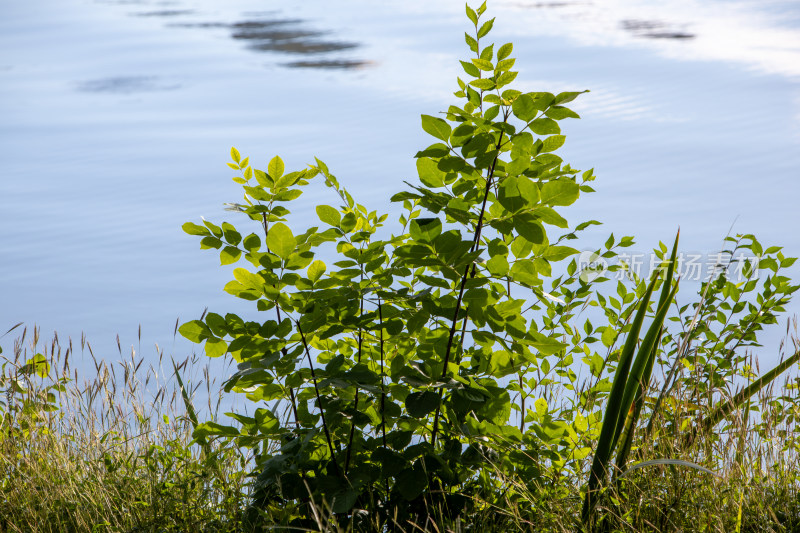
(734, 403)
(677, 462)
(187, 402)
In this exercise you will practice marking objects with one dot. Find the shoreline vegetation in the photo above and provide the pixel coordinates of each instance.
(457, 371)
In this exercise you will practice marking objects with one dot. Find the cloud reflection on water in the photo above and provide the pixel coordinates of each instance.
(288, 36)
(760, 35)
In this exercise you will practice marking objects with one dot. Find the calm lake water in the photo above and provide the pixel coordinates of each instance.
(116, 120)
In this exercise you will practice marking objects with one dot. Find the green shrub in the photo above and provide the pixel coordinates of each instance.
(429, 373)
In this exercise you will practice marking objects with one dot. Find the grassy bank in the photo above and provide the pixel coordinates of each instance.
(113, 451)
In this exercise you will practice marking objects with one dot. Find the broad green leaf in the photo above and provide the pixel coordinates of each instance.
(471, 42)
(484, 84)
(471, 15)
(471, 69)
(425, 229)
(36, 365)
(194, 229)
(485, 28)
(235, 155)
(229, 255)
(497, 266)
(560, 192)
(563, 98)
(557, 253)
(252, 243)
(216, 347)
(280, 240)
(436, 127)
(524, 108)
(429, 173)
(411, 482)
(552, 143)
(483, 64)
(329, 215)
(420, 404)
(195, 331)
(504, 51)
(529, 228)
(560, 113)
(524, 272)
(545, 126)
(275, 168)
(316, 270)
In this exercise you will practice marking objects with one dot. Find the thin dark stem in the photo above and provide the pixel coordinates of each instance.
(476, 241)
(355, 406)
(522, 405)
(383, 385)
(283, 350)
(319, 399)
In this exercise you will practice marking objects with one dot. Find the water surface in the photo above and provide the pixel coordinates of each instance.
(116, 118)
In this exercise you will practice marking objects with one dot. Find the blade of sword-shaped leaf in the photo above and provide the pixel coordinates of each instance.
(606, 442)
(633, 414)
(738, 400)
(637, 383)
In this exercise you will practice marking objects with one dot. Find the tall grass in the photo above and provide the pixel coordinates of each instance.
(114, 452)
(111, 452)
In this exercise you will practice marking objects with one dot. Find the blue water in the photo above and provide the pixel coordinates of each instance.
(116, 119)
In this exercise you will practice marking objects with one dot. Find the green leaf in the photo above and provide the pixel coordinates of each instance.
(275, 168)
(552, 143)
(436, 127)
(483, 64)
(472, 15)
(280, 240)
(506, 78)
(252, 243)
(558, 253)
(560, 113)
(529, 228)
(471, 69)
(36, 365)
(504, 51)
(196, 331)
(563, 98)
(471, 42)
(194, 229)
(316, 270)
(560, 192)
(524, 108)
(420, 404)
(329, 215)
(411, 482)
(497, 266)
(425, 229)
(216, 347)
(229, 255)
(235, 155)
(486, 28)
(524, 272)
(429, 173)
(545, 126)
(484, 84)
